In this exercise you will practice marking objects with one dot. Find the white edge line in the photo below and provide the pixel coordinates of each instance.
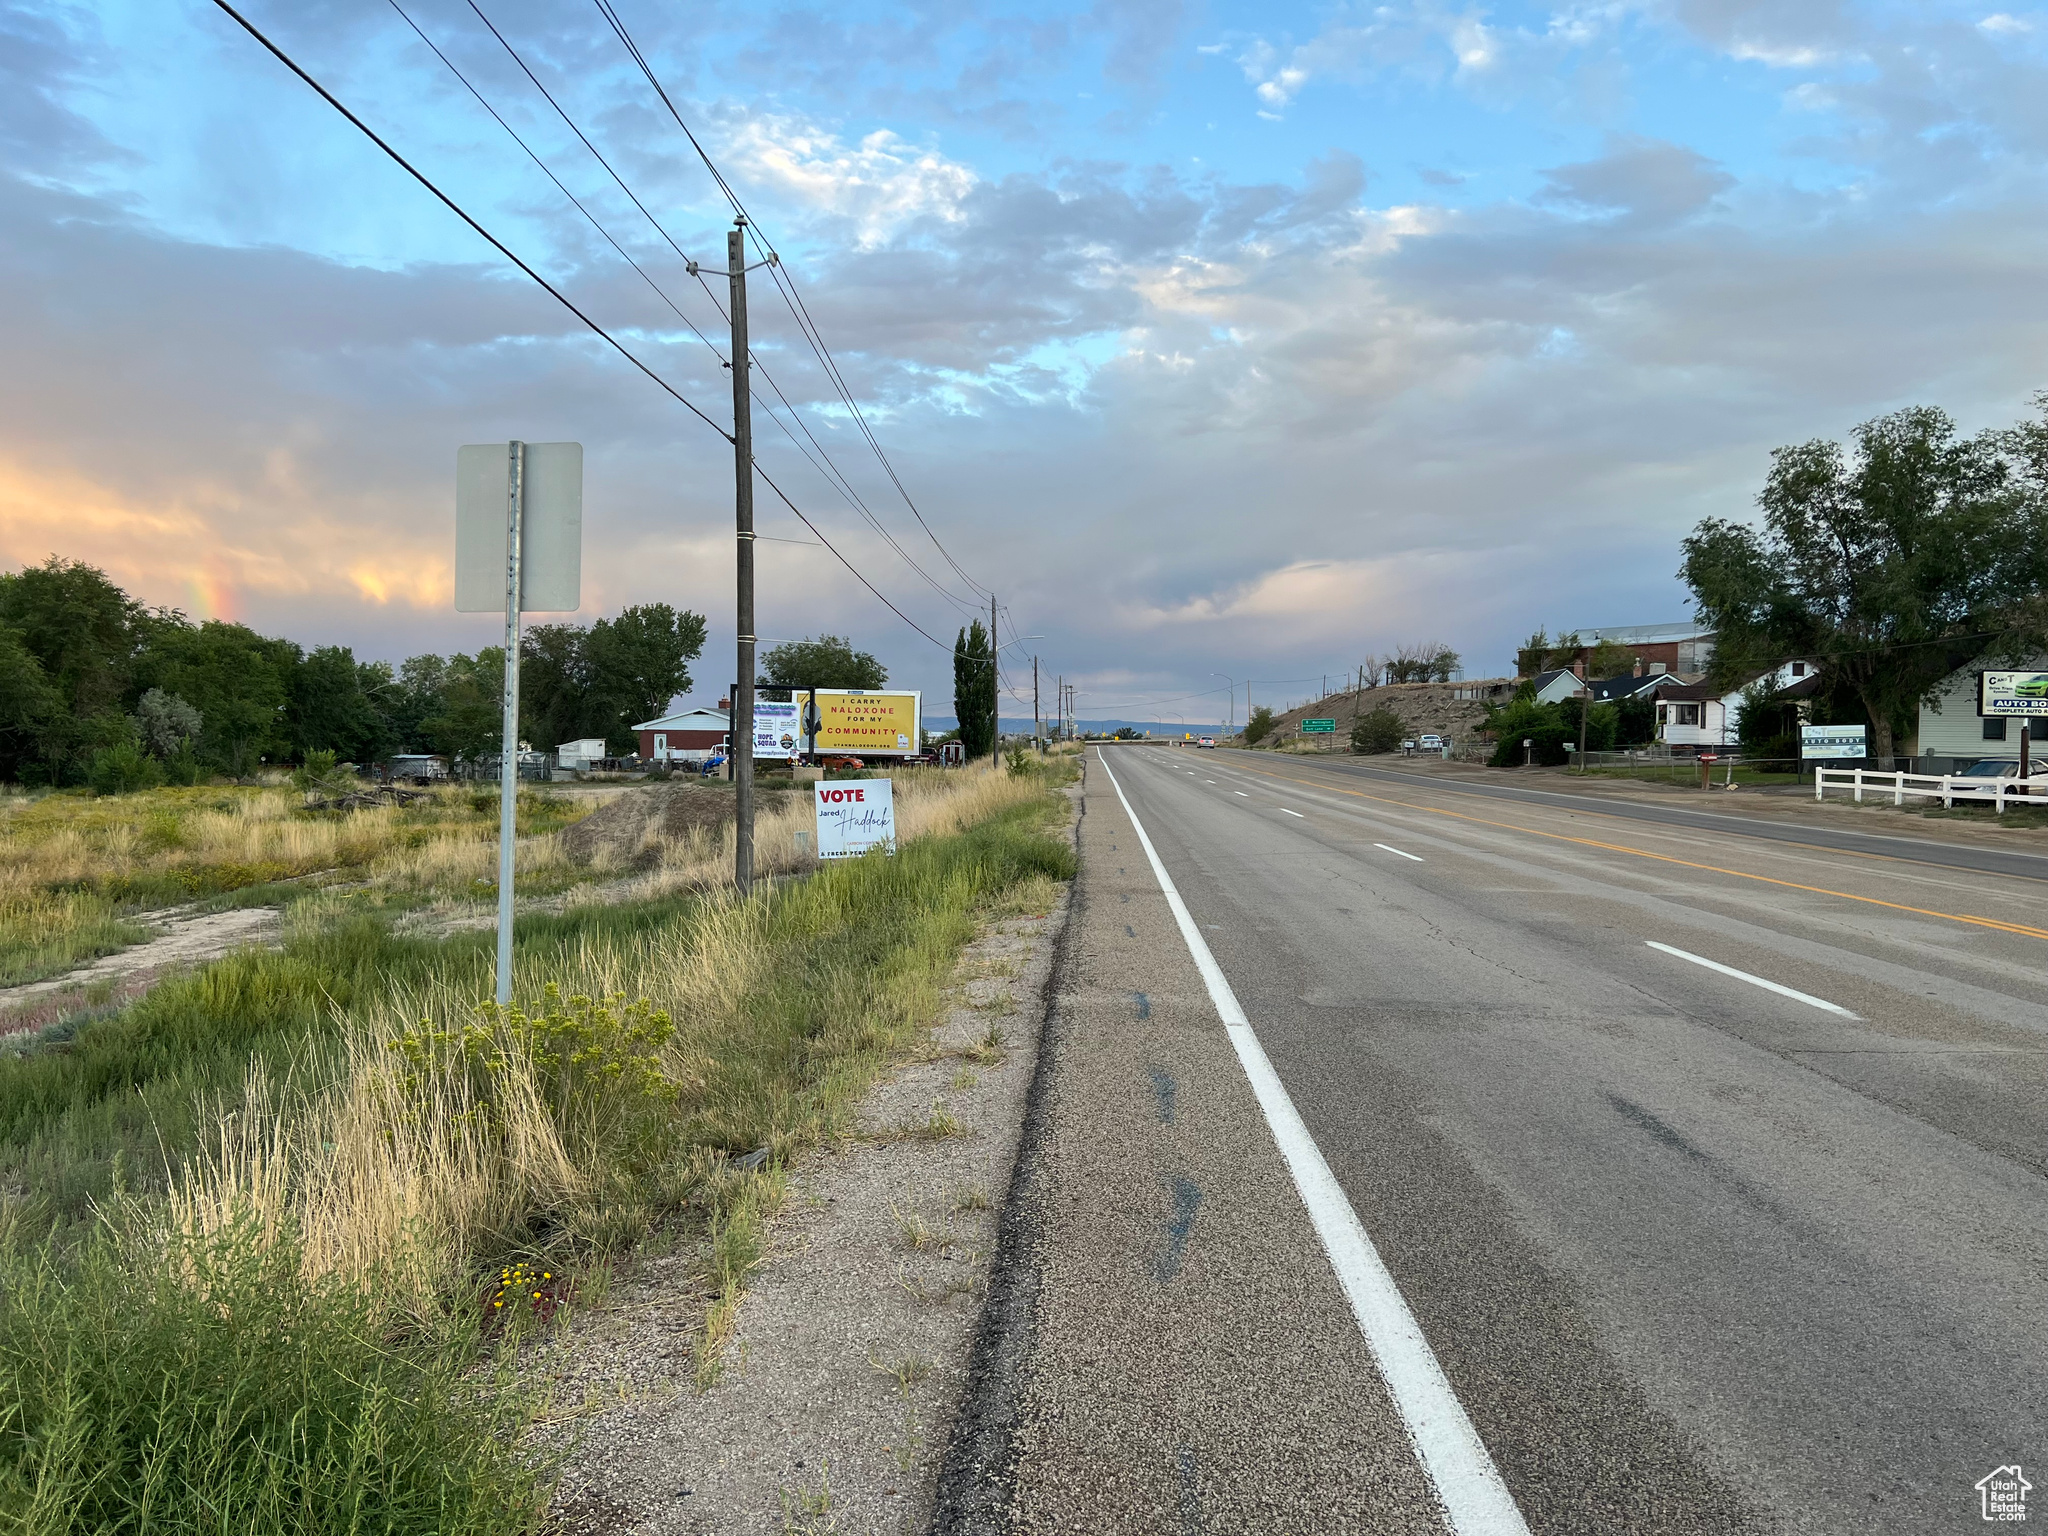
(1397, 852)
(1476, 1501)
(1756, 981)
(1286, 812)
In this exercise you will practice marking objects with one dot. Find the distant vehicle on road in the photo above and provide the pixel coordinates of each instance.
(1206, 741)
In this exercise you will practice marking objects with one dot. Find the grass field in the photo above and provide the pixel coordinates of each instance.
(75, 868)
(262, 1231)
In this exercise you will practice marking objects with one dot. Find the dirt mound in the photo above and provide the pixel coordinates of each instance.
(626, 829)
(1454, 710)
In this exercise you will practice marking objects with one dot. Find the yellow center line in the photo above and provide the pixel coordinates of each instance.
(1664, 858)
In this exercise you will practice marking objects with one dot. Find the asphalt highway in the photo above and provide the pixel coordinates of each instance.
(1710, 1166)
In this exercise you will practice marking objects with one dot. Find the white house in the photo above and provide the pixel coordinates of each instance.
(1952, 736)
(1692, 716)
(1555, 687)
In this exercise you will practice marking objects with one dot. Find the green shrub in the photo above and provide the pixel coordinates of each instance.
(1258, 726)
(596, 1064)
(211, 1388)
(1380, 731)
(122, 769)
(1543, 725)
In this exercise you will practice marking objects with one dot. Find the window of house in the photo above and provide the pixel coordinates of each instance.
(1994, 730)
(1685, 714)
(1799, 669)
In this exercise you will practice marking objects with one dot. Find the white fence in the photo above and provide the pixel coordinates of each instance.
(1948, 788)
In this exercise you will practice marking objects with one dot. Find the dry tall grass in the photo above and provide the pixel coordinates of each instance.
(70, 865)
(929, 802)
(406, 1188)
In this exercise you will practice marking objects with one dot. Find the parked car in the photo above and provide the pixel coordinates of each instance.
(1430, 742)
(2003, 768)
(842, 762)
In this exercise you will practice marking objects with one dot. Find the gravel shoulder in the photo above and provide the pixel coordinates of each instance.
(850, 1353)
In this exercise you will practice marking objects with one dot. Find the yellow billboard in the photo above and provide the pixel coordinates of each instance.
(864, 721)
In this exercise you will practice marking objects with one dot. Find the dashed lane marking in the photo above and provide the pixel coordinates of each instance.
(1476, 1501)
(1755, 981)
(1664, 858)
(1398, 854)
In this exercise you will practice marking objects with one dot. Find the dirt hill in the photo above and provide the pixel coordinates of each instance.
(627, 828)
(1452, 710)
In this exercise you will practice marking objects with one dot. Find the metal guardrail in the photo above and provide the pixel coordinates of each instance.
(1948, 788)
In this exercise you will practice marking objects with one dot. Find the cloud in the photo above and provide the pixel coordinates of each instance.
(877, 186)
(1647, 180)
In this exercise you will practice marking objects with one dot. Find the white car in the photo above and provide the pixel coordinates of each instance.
(1431, 743)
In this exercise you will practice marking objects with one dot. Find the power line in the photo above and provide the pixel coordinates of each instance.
(456, 208)
(833, 475)
(371, 134)
(798, 309)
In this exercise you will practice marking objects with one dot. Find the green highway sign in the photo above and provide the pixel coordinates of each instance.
(1318, 727)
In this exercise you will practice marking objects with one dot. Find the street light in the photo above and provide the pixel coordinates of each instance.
(1232, 723)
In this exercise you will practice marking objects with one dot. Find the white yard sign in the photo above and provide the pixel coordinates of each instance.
(777, 731)
(855, 815)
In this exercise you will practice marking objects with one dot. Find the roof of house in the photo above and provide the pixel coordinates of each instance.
(1805, 688)
(1543, 680)
(1626, 686)
(1687, 692)
(689, 719)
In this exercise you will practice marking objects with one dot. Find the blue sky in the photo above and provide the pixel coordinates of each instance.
(1257, 339)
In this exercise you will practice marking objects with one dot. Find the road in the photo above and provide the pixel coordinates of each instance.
(1710, 1166)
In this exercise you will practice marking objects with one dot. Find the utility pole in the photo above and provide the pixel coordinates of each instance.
(1585, 711)
(995, 692)
(743, 516)
(1036, 729)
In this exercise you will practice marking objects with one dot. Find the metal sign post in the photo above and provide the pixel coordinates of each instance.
(519, 546)
(508, 751)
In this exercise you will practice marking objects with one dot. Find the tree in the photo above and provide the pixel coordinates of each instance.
(331, 712)
(554, 685)
(166, 724)
(82, 632)
(1258, 725)
(830, 661)
(974, 672)
(468, 718)
(1610, 658)
(1430, 662)
(28, 705)
(638, 662)
(239, 681)
(1379, 730)
(1889, 566)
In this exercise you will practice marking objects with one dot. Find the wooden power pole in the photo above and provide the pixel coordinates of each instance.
(743, 517)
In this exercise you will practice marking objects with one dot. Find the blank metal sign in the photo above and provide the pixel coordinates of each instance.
(551, 545)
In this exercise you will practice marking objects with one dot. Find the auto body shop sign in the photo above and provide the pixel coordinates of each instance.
(854, 816)
(2012, 693)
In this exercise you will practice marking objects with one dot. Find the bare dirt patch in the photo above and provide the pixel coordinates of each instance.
(186, 937)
